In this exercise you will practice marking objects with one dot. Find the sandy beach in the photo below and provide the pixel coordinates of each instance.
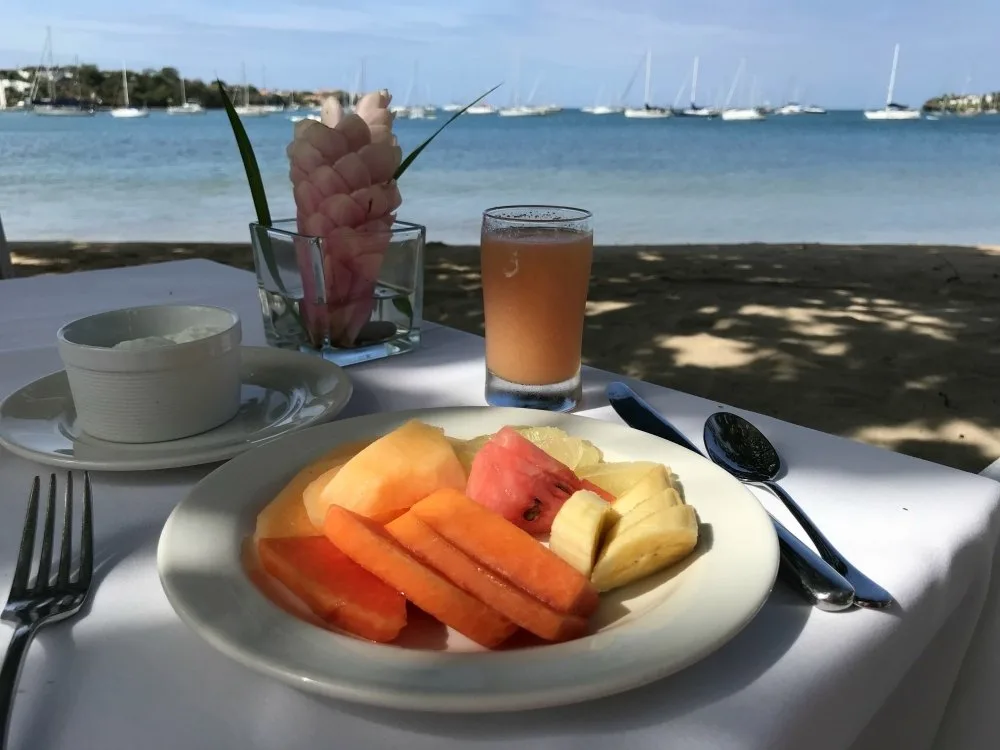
(897, 346)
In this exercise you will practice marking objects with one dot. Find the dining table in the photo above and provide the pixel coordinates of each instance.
(129, 674)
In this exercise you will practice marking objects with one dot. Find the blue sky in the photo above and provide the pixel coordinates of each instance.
(840, 53)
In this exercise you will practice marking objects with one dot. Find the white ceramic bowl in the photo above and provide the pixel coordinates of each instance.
(149, 395)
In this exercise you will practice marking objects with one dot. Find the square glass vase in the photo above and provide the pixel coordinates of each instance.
(348, 297)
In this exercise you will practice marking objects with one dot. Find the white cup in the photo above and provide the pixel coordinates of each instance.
(149, 395)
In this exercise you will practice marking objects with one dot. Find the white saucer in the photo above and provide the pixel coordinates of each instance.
(283, 391)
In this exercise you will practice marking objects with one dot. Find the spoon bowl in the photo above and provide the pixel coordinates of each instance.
(740, 448)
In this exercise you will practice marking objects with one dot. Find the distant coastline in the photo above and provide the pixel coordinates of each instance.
(964, 104)
(156, 89)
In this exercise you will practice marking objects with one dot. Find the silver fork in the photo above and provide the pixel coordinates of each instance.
(49, 598)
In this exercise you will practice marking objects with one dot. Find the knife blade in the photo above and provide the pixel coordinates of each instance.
(800, 566)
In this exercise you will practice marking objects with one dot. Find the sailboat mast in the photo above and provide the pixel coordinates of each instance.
(51, 65)
(736, 81)
(183, 92)
(694, 84)
(517, 79)
(649, 71)
(125, 84)
(892, 76)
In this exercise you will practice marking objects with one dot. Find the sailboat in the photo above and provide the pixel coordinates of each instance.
(55, 106)
(601, 109)
(648, 111)
(128, 112)
(892, 111)
(246, 109)
(413, 111)
(186, 107)
(517, 109)
(741, 113)
(694, 110)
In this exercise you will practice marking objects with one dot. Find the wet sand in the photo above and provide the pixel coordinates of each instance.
(897, 346)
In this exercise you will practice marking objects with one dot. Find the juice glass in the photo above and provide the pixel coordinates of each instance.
(536, 271)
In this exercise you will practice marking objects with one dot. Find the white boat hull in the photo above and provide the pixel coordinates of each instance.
(700, 112)
(647, 114)
(129, 113)
(892, 114)
(521, 112)
(62, 112)
(182, 110)
(251, 112)
(737, 115)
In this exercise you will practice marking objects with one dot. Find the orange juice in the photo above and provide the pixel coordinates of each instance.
(534, 293)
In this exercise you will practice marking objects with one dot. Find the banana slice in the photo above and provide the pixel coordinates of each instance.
(640, 549)
(577, 529)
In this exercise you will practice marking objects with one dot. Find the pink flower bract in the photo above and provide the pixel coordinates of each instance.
(341, 170)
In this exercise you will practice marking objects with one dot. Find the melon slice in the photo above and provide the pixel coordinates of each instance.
(375, 550)
(386, 478)
(436, 552)
(286, 516)
(338, 590)
(507, 551)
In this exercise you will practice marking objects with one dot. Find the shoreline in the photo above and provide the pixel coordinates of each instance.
(893, 345)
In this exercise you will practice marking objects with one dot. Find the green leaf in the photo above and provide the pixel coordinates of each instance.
(416, 152)
(256, 186)
(249, 160)
(402, 304)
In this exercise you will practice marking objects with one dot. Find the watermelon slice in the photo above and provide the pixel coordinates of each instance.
(513, 440)
(513, 477)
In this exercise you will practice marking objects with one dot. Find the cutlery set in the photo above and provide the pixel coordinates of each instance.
(827, 580)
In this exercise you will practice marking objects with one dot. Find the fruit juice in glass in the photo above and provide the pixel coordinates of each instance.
(536, 271)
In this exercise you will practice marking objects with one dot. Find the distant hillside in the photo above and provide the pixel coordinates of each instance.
(153, 88)
(959, 103)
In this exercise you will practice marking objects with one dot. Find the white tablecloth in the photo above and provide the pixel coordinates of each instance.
(131, 675)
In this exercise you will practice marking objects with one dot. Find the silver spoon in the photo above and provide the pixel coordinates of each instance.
(741, 449)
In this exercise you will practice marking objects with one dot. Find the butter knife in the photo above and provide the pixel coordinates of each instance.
(803, 569)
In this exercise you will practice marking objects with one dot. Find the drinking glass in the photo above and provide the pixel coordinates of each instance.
(536, 271)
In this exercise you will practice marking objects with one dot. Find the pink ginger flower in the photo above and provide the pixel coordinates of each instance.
(342, 176)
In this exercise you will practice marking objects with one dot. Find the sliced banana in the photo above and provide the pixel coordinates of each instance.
(640, 549)
(578, 528)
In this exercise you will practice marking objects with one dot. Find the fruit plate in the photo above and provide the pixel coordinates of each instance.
(643, 632)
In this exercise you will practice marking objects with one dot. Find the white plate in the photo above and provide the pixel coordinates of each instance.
(282, 391)
(647, 631)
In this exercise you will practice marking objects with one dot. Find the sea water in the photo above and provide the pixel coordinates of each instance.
(824, 178)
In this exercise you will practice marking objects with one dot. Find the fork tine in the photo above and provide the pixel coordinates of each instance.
(87, 535)
(19, 584)
(66, 547)
(45, 561)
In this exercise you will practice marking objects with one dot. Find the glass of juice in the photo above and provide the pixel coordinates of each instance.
(536, 271)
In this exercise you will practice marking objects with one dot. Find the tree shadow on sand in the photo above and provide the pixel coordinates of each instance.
(892, 345)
